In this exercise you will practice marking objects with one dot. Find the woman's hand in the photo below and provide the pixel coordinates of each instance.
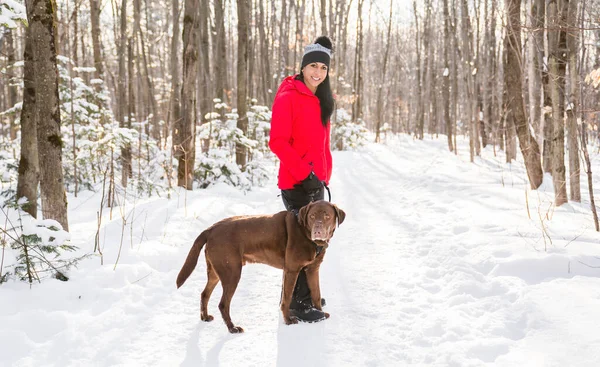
(312, 183)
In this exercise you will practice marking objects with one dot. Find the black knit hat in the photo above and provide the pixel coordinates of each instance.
(320, 51)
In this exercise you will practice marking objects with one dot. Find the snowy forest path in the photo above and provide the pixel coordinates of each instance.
(436, 263)
(401, 221)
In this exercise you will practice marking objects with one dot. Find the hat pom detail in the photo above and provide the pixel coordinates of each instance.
(324, 41)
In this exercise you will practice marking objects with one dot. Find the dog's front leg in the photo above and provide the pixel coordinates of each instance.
(312, 278)
(289, 282)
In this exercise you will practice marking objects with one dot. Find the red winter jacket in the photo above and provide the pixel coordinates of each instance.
(298, 137)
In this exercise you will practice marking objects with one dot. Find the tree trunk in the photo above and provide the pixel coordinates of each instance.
(251, 48)
(383, 77)
(557, 48)
(75, 21)
(420, 118)
(323, 13)
(12, 89)
(219, 44)
(184, 137)
(547, 126)
(342, 68)
(496, 96)
(454, 74)
(572, 135)
(265, 61)
(357, 110)
(242, 78)
(527, 143)
(175, 79)
(446, 76)
(122, 93)
(486, 83)
(205, 77)
(476, 101)
(426, 92)
(283, 40)
(28, 181)
(131, 111)
(96, 43)
(41, 15)
(536, 54)
(507, 128)
(150, 92)
(467, 40)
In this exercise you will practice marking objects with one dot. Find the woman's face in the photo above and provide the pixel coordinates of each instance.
(314, 74)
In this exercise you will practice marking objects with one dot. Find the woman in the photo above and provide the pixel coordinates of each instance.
(299, 137)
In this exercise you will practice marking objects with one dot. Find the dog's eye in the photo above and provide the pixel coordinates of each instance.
(312, 216)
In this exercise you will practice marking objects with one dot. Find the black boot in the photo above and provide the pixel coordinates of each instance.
(308, 315)
(301, 306)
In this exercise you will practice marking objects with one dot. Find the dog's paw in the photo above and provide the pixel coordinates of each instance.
(236, 330)
(291, 321)
(326, 315)
(207, 318)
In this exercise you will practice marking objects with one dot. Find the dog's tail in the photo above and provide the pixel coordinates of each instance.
(192, 258)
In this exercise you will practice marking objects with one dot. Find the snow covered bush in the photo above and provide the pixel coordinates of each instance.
(217, 166)
(223, 135)
(9, 166)
(345, 134)
(92, 138)
(259, 126)
(11, 12)
(38, 246)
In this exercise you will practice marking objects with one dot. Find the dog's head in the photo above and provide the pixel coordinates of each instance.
(319, 219)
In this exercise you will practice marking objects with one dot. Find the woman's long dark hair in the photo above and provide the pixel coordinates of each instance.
(325, 96)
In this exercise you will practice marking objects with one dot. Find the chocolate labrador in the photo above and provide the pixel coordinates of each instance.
(283, 240)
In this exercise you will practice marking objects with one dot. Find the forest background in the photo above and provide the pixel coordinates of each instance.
(140, 96)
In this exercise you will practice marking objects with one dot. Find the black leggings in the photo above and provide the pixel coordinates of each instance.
(296, 198)
(293, 200)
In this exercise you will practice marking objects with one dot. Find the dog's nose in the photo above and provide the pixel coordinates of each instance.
(318, 231)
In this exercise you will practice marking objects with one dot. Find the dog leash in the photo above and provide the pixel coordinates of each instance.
(328, 191)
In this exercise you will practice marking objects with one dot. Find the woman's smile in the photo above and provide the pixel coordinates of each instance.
(314, 74)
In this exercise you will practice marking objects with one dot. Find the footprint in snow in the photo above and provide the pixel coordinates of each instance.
(460, 229)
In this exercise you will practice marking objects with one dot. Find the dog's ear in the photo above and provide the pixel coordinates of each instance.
(303, 214)
(340, 214)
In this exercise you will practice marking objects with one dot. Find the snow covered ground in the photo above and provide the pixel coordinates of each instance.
(437, 263)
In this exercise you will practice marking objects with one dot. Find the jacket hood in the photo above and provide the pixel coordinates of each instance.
(290, 83)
